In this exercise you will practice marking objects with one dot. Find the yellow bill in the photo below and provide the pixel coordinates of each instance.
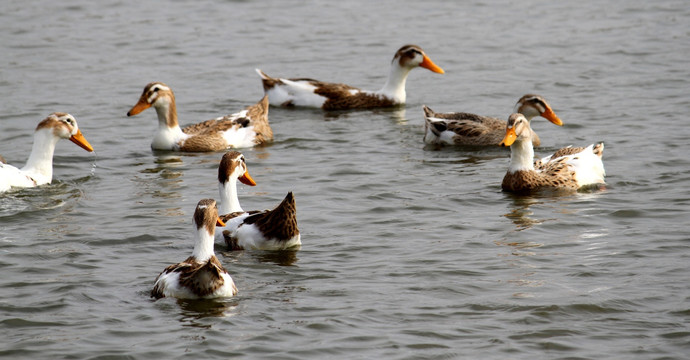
(79, 139)
(139, 107)
(247, 180)
(428, 64)
(510, 137)
(548, 114)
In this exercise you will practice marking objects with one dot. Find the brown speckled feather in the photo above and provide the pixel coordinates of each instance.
(258, 113)
(470, 129)
(204, 143)
(339, 96)
(211, 126)
(326, 88)
(206, 136)
(361, 100)
(202, 279)
(598, 150)
(567, 151)
(555, 174)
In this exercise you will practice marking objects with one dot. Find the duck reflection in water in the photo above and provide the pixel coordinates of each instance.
(165, 165)
(556, 201)
(520, 212)
(396, 114)
(160, 185)
(197, 309)
(278, 257)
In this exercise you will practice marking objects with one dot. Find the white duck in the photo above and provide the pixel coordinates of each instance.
(568, 168)
(246, 128)
(39, 168)
(459, 128)
(333, 96)
(200, 276)
(257, 230)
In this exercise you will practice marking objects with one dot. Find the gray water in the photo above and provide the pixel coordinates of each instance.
(409, 251)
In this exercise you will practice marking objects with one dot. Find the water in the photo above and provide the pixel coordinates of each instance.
(409, 251)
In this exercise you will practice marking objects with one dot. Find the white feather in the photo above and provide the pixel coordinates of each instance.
(241, 138)
(445, 137)
(250, 237)
(11, 176)
(168, 138)
(588, 167)
(299, 93)
(169, 285)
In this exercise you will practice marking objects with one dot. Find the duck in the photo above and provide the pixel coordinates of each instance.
(200, 276)
(569, 168)
(38, 170)
(243, 129)
(459, 128)
(333, 96)
(274, 229)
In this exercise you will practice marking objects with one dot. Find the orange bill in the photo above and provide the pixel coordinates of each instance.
(219, 222)
(139, 107)
(510, 137)
(548, 114)
(428, 64)
(79, 139)
(247, 180)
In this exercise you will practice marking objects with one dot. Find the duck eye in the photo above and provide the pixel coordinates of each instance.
(156, 89)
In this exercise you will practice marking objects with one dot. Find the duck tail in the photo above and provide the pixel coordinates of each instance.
(263, 74)
(598, 149)
(428, 112)
(267, 81)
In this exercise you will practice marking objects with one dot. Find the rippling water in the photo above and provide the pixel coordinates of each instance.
(409, 251)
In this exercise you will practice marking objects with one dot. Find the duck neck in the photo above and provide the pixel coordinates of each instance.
(535, 137)
(529, 117)
(229, 202)
(521, 155)
(40, 163)
(169, 132)
(395, 85)
(203, 245)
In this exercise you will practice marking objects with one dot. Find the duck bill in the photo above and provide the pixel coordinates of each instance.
(139, 107)
(548, 114)
(509, 139)
(428, 64)
(79, 139)
(247, 180)
(219, 222)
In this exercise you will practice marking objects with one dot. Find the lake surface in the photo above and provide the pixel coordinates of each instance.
(409, 251)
